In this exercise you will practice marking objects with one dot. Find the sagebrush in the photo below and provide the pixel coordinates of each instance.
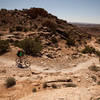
(10, 82)
(30, 46)
(4, 46)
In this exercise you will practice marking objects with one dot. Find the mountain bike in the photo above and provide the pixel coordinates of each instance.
(23, 62)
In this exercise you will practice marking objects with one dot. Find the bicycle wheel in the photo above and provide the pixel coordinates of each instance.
(27, 63)
(17, 61)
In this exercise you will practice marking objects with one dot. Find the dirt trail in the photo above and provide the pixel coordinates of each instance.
(84, 65)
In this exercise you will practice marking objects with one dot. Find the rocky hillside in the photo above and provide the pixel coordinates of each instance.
(38, 23)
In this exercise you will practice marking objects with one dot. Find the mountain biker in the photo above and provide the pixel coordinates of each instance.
(20, 54)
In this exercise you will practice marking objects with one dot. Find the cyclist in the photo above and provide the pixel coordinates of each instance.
(22, 61)
(20, 54)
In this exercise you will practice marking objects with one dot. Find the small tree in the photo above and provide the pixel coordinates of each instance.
(30, 46)
(4, 46)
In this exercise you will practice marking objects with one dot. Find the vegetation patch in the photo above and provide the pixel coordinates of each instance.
(34, 90)
(4, 46)
(94, 78)
(30, 46)
(35, 12)
(54, 86)
(97, 53)
(50, 24)
(91, 50)
(45, 85)
(88, 49)
(70, 85)
(98, 82)
(94, 68)
(54, 40)
(70, 42)
(10, 82)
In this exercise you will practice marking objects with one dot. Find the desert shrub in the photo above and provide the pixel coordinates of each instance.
(25, 29)
(63, 33)
(16, 43)
(88, 49)
(19, 28)
(50, 24)
(69, 80)
(4, 46)
(70, 85)
(1, 34)
(94, 68)
(4, 21)
(30, 46)
(34, 90)
(45, 85)
(10, 82)
(98, 98)
(54, 86)
(70, 42)
(94, 78)
(54, 40)
(98, 40)
(12, 29)
(10, 40)
(97, 53)
(98, 82)
(91, 50)
(35, 12)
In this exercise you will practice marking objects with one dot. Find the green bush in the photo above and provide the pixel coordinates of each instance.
(97, 53)
(70, 42)
(30, 46)
(12, 29)
(88, 49)
(91, 50)
(98, 98)
(45, 85)
(50, 24)
(16, 43)
(70, 85)
(19, 28)
(98, 82)
(98, 40)
(4, 46)
(54, 40)
(94, 68)
(10, 82)
(34, 90)
(26, 29)
(94, 78)
(54, 86)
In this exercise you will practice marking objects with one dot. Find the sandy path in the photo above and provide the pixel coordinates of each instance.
(84, 65)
